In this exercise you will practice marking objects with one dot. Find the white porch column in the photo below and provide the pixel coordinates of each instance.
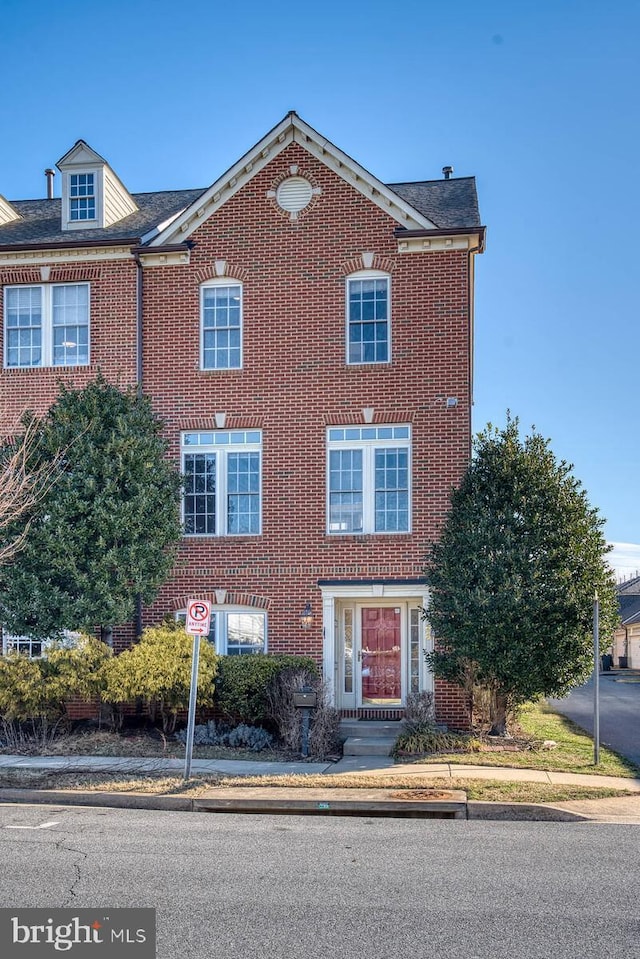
(329, 664)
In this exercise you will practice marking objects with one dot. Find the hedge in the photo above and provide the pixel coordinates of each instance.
(242, 680)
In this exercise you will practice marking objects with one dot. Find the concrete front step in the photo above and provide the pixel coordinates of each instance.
(367, 727)
(368, 746)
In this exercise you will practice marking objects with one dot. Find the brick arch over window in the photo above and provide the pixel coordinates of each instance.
(363, 262)
(231, 598)
(222, 270)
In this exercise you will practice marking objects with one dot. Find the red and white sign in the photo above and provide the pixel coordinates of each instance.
(198, 621)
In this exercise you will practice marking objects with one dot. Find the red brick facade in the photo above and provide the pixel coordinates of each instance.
(294, 383)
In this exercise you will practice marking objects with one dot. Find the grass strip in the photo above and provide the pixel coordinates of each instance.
(481, 789)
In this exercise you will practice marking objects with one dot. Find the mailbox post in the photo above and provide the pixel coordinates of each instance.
(305, 699)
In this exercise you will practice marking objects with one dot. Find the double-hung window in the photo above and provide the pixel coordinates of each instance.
(368, 317)
(82, 196)
(221, 325)
(222, 482)
(46, 325)
(368, 479)
(236, 632)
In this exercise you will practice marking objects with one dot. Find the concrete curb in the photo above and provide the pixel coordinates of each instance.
(65, 797)
(286, 804)
(522, 812)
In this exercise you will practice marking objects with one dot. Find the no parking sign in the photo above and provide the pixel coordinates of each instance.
(198, 621)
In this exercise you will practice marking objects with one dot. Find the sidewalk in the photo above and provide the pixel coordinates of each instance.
(622, 809)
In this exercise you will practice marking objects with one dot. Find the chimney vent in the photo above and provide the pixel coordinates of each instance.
(49, 175)
(447, 171)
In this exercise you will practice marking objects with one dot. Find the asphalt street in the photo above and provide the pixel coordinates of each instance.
(619, 711)
(244, 887)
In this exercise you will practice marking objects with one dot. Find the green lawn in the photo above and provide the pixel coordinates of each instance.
(574, 752)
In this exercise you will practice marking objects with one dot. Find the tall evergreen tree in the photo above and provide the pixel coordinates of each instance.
(514, 574)
(106, 529)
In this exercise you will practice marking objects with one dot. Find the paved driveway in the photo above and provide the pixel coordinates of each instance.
(619, 710)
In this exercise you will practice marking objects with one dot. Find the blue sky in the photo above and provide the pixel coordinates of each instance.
(538, 100)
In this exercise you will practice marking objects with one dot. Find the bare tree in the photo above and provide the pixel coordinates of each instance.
(21, 485)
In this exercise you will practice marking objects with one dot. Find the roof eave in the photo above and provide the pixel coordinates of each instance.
(481, 231)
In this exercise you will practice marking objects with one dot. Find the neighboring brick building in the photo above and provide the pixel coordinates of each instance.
(306, 333)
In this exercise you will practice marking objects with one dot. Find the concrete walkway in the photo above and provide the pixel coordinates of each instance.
(378, 766)
(293, 800)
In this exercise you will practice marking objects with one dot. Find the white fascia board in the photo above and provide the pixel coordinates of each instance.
(359, 178)
(160, 227)
(228, 184)
(291, 129)
(7, 212)
(80, 154)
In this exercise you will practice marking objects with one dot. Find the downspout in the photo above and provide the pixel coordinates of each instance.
(470, 326)
(139, 281)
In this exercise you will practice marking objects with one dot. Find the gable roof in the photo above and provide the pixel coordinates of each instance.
(629, 607)
(41, 221)
(170, 216)
(396, 202)
(631, 587)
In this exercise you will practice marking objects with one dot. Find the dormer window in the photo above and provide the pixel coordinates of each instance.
(82, 196)
(92, 195)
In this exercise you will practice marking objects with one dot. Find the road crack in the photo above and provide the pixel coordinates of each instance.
(70, 893)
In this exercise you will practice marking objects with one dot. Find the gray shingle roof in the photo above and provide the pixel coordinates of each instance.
(631, 587)
(41, 219)
(450, 204)
(629, 607)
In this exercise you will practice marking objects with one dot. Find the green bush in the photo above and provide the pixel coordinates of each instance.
(35, 692)
(158, 669)
(424, 737)
(242, 682)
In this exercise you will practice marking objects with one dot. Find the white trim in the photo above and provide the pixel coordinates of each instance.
(368, 594)
(291, 130)
(369, 447)
(219, 621)
(46, 328)
(221, 452)
(98, 193)
(367, 275)
(208, 284)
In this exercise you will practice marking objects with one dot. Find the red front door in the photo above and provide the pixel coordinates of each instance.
(381, 659)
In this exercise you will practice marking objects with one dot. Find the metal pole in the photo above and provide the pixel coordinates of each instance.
(596, 681)
(193, 695)
(305, 732)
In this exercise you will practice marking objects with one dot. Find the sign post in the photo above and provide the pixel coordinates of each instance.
(198, 623)
(596, 681)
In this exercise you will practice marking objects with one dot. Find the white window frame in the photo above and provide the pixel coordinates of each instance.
(47, 327)
(368, 439)
(216, 283)
(98, 190)
(83, 196)
(367, 275)
(221, 443)
(220, 628)
(24, 644)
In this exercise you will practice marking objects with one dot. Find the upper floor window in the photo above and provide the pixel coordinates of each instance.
(221, 325)
(82, 196)
(46, 325)
(222, 483)
(236, 632)
(369, 479)
(368, 318)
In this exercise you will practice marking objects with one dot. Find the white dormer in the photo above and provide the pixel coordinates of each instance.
(7, 213)
(92, 194)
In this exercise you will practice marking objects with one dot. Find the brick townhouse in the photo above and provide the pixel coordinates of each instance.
(305, 332)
